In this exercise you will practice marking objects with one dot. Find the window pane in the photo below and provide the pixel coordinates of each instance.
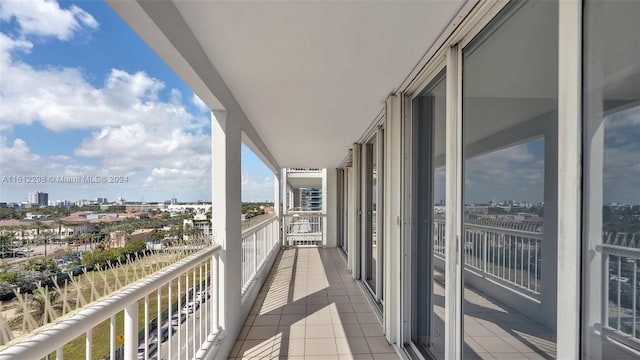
(428, 240)
(509, 244)
(612, 179)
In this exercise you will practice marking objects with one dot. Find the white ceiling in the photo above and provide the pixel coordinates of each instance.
(309, 76)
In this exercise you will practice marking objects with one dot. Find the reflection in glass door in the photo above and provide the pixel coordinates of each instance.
(611, 203)
(371, 235)
(509, 129)
(428, 262)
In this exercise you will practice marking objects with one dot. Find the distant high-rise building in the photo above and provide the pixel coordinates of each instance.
(39, 198)
(310, 199)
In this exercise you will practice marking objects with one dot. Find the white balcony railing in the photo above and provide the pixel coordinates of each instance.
(511, 256)
(257, 243)
(304, 229)
(188, 289)
(621, 293)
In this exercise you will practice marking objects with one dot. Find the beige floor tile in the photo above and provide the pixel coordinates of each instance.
(262, 332)
(292, 331)
(379, 344)
(292, 319)
(319, 331)
(355, 357)
(344, 318)
(292, 347)
(294, 309)
(367, 318)
(370, 330)
(320, 347)
(264, 320)
(354, 345)
(319, 319)
(256, 348)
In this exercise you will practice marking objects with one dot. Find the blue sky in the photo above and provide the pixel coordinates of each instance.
(82, 95)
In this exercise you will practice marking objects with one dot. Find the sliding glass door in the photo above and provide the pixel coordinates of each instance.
(428, 255)
(509, 130)
(372, 232)
(611, 196)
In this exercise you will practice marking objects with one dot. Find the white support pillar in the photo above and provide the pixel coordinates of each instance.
(131, 331)
(226, 194)
(330, 198)
(285, 193)
(276, 193)
(569, 176)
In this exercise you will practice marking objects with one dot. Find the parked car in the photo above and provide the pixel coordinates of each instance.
(202, 296)
(164, 333)
(153, 348)
(174, 319)
(190, 307)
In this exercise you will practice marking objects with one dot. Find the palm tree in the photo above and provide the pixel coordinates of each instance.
(59, 222)
(41, 297)
(22, 228)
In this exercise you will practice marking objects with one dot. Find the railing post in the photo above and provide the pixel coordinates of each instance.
(255, 252)
(112, 338)
(323, 224)
(215, 290)
(88, 346)
(130, 330)
(484, 251)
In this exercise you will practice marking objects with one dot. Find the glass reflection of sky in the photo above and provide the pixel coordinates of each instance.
(621, 162)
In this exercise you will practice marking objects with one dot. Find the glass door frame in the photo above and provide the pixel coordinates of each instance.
(368, 155)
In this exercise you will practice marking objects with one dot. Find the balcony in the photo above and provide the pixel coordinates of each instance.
(309, 305)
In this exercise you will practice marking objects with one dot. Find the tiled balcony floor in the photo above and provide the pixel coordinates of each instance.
(311, 308)
(493, 331)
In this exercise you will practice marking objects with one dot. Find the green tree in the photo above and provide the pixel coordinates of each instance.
(39, 300)
(41, 264)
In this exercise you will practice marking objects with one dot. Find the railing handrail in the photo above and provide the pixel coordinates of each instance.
(619, 250)
(298, 212)
(258, 226)
(78, 322)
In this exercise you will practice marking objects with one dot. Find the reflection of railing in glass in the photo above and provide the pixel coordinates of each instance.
(512, 256)
(621, 253)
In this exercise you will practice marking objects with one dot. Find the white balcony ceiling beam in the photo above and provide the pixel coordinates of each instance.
(307, 77)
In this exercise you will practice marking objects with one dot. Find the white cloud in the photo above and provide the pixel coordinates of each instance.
(257, 187)
(515, 172)
(199, 103)
(46, 18)
(131, 131)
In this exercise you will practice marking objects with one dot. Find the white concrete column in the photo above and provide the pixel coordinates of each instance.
(569, 176)
(276, 193)
(285, 194)
(330, 199)
(131, 331)
(226, 194)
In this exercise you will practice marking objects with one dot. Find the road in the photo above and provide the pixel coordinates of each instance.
(181, 349)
